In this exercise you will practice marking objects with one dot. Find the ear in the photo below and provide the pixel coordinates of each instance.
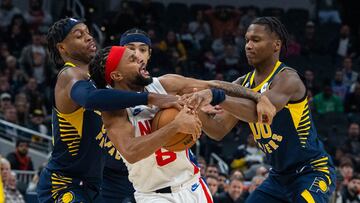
(116, 76)
(61, 47)
(150, 51)
(277, 45)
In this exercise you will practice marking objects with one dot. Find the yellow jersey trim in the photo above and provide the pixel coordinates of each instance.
(69, 64)
(257, 88)
(74, 119)
(307, 196)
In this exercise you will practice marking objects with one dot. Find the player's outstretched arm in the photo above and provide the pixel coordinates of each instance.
(81, 92)
(133, 149)
(216, 127)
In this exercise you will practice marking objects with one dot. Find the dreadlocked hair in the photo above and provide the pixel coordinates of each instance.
(276, 26)
(54, 36)
(97, 68)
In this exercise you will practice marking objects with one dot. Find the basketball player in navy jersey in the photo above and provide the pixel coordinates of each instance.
(301, 169)
(74, 171)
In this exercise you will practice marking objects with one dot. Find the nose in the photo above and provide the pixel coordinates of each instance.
(89, 37)
(249, 45)
(137, 54)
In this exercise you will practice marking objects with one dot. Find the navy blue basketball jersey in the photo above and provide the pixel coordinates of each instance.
(291, 141)
(78, 141)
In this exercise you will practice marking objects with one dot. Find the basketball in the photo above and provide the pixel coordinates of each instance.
(181, 141)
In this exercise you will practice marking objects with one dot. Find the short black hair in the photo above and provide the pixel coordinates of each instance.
(20, 141)
(97, 68)
(135, 31)
(275, 25)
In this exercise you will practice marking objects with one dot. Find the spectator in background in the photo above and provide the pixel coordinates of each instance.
(5, 171)
(15, 75)
(37, 123)
(19, 159)
(223, 182)
(352, 101)
(7, 12)
(338, 86)
(199, 28)
(4, 52)
(218, 45)
(309, 43)
(12, 194)
(213, 184)
(174, 49)
(35, 98)
(202, 165)
(255, 182)
(346, 170)
(250, 15)
(326, 101)
(223, 20)
(208, 63)
(350, 76)
(352, 143)
(233, 195)
(37, 17)
(328, 11)
(293, 48)
(4, 84)
(17, 35)
(147, 14)
(27, 58)
(350, 194)
(5, 103)
(212, 170)
(344, 45)
(22, 107)
(310, 82)
(229, 62)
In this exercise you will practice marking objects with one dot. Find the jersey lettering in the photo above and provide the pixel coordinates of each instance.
(267, 141)
(164, 158)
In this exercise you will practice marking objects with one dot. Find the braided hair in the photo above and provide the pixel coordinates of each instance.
(97, 68)
(54, 36)
(276, 26)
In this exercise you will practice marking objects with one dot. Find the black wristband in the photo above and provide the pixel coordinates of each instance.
(218, 96)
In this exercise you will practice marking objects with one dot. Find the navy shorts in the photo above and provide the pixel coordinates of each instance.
(310, 186)
(116, 187)
(54, 187)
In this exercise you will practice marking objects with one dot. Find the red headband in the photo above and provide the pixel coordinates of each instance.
(115, 55)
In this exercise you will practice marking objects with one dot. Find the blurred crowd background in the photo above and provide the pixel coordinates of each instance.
(197, 40)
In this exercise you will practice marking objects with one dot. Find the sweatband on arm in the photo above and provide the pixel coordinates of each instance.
(218, 96)
(85, 94)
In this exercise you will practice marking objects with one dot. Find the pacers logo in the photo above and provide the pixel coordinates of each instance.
(68, 197)
(319, 184)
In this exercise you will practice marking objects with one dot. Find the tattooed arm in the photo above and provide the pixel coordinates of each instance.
(236, 90)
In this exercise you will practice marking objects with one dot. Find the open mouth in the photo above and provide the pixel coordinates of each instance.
(92, 46)
(143, 71)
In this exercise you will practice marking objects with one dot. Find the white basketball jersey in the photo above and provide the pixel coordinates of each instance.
(163, 168)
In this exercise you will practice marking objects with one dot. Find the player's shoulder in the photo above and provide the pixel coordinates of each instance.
(68, 73)
(288, 73)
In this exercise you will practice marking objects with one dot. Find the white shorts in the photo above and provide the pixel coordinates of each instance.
(194, 192)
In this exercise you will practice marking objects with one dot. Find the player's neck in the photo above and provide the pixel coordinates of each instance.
(76, 62)
(266, 67)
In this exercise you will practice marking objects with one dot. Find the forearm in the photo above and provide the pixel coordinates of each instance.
(135, 149)
(236, 90)
(241, 108)
(87, 96)
(214, 128)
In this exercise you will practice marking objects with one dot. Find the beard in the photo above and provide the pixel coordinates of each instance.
(142, 81)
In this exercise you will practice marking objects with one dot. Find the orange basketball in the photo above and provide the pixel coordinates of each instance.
(181, 141)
